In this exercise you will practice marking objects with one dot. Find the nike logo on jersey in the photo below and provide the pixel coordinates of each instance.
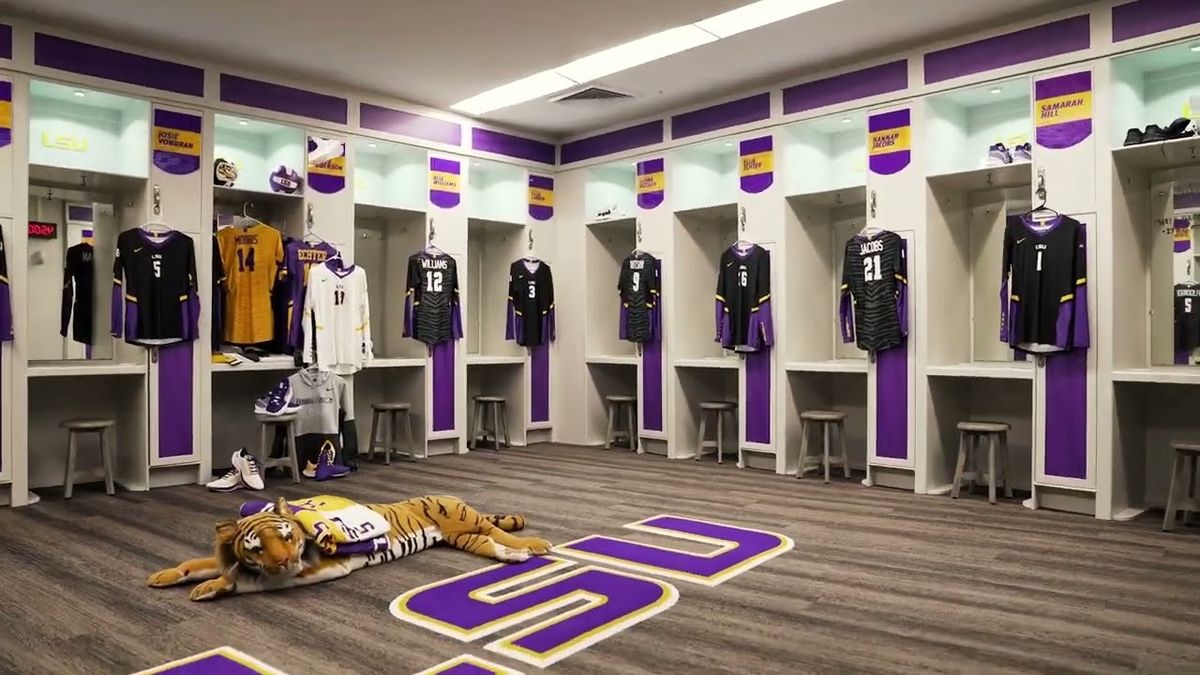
(137, 249)
(1022, 239)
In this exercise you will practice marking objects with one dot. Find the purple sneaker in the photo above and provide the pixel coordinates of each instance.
(326, 468)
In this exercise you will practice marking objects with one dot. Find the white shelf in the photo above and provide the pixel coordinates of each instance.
(485, 360)
(1163, 374)
(267, 363)
(616, 221)
(84, 368)
(998, 371)
(848, 195)
(1017, 174)
(382, 362)
(830, 366)
(237, 194)
(613, 360)
(710, 362)
(1161, 155)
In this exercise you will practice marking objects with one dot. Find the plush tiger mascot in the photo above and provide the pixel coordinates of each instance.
(271, 550)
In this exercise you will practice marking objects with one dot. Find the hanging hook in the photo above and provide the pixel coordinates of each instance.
(308, 218)
(530, 239)
(742, 220)
(638, 232)
(874, 208)
(246, 209)
(157, 201)
(432, 231)
(1041, 186)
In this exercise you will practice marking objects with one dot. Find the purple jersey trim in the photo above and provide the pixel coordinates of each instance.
(6, 327)
(846, 315)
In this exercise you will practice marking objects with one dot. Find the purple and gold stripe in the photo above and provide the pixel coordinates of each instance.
(283, 99)
(639, 136)
(445, 182)
(1023, 46)
(412, 125)
(6, 113)
(889, 149)
(722, 116)
(1063, 116)
(51, 51)
(176, 141)
(512, 146)
(541, 197)
(651, 185)
(874, 81)
(757, 164)
(1146, 17)
(327, 177)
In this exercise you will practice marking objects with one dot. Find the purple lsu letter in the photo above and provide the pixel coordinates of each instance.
(740, 549)
(477, 604)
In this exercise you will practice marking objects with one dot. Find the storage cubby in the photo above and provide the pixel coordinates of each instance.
(390, 175)
(400, 384)
(695, 386)
(233, 397)
(1147, 418)
(608, 379)
(1153, 87)
(962, 124)
(967, 215)
(257, 148)
(704, 176)
(961, 399)
(608, 244)
(819, 225)
(843, 392)
(701, 236)
(497, 192)
(497, 376)
(609, 192)
(384, 239)
(121, 398)
(81, 129)
(492, 246)
(825, 154)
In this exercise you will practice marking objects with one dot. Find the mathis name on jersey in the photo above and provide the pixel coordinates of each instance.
(871, 247)
(435, 264)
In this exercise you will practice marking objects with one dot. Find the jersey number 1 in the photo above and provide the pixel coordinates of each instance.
(245, 259)
(872, 269)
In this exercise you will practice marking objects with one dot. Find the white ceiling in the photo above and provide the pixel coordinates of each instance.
(437, 53)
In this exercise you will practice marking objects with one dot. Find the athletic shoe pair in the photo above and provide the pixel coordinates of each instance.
(999, 155)
(324, 468)
(244, 473)
(1180, 128)
(277, 402)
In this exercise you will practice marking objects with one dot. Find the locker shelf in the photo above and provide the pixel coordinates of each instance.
(988, 370)
(79, 369)
(709, 362)
(489, 360)
(1159, 375)
(612, 360)
(830, 366)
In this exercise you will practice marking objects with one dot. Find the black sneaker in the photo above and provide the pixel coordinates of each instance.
(1154, 134)
(1180, 128)
(1133, 137)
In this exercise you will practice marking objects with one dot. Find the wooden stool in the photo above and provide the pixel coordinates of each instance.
(499, 410)
(826, 421)
(1182, 471)
(74, 429)
(390, 413)
(717, 409)
(616, 405)
(976, 432)
(290, 460)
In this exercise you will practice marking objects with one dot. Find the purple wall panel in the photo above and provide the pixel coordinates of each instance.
(873, 81)
(539, 384)
(5, 41)
(110, 64)
(1066, 415)
(175, 424)
(722, 116)
(757, 400)
(1144, 17)
(444, 375)
(284, 99)
(409, 124)
(1023, 46)
(891, 403)
(650, 133)
(512, 146)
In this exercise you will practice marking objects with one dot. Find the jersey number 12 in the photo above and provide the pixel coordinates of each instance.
(433, 282)
(872, 269)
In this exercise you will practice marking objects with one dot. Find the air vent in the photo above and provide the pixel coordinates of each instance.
(591, 94)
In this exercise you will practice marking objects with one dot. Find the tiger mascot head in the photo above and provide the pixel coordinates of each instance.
(271, 543)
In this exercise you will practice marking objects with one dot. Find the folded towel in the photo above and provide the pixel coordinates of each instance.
(338, 525)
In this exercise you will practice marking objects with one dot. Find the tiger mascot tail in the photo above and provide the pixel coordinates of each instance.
(270, 550)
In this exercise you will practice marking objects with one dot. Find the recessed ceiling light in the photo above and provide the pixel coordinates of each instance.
(371, 145)
(243, 122)
(635, 53)
(994, 90)
(1195, 48)
(80, 93)
(758, 14)
(525, 89)
(729, 144)
(847, 120)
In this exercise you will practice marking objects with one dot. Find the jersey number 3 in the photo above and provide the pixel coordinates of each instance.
(872, 269)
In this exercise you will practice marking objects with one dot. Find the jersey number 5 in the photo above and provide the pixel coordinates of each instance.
(1187, 305)
(245, 259)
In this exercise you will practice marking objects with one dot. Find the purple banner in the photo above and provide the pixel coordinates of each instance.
(512, 146)
(1066, 415)
(640, 136)
(1031, 44)
(444, 375)
(481, 603)
(1182, 233)
(5, 41)
(110, 64)
(1063, 110)
(409, 124)
(1145, 17)
(742, 549)
(539, 384)
(891, 402)
(175, 423)
(445, 182)
(873, 81)
(176, 141)
(283, 99)
(651, 185)
(6, 114)
(220, 661)
(890, 142)
(652, 372)
(326, 174)
(722, 116)
(757, 160)
(758, 397)
(541, 197)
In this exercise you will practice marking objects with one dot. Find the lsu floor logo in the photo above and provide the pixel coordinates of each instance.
(581, 605)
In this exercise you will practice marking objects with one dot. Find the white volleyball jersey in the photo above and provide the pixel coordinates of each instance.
(337, 318)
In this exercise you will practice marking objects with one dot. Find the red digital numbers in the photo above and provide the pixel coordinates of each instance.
(40, 230)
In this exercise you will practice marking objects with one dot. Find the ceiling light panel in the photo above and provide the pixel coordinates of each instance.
(758, 14)
(525, 89)
(635, 53)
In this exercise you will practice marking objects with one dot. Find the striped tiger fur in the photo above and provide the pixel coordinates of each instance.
(268, 551)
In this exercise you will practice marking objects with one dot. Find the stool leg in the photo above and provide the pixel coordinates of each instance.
(474, 425)
(720, 437)
(1191, 493)
(992, 468)
(841, 429)
(496, 425)
(264, 450)
(800, 471)
(374, 435)
(106, 459)
(961, 462)
(393, 436)
(700, 444)
(973, 461)
(633, 434)
(1008, 493)
(412, 445)
(290, 432)
(608, 430)
(69, 478)
(1173, 493)
(504, 422)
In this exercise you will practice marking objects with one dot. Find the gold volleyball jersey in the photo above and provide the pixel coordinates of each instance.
(253, 260)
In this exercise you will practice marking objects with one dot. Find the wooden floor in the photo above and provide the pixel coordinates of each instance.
(879, 581)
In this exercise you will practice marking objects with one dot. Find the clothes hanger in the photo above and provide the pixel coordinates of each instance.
(530, 257)
(1041, 213)
(155, 226)
(430, 247)
(249, 220)
(870, 229)
(743, 244)
(637, 238)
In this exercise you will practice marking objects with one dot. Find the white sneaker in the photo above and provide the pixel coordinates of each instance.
(232, 480)
(246, 465)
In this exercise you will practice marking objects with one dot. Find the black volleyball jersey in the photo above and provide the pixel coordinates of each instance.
(639, 284)
(874, 299)
(1187, 318)
(154, 289)
(78, 293)
(530, 303)
(743, 308)
(431, 307)
(1044, 285)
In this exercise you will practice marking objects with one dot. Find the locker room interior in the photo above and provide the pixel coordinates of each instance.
(971, 141)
